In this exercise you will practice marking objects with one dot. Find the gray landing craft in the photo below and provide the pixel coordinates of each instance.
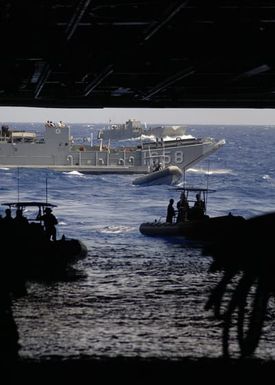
(57, 150)
(134, 129)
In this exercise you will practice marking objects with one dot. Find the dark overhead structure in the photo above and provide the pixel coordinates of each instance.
(137, 53)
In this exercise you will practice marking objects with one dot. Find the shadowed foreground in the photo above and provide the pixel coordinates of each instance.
(252, 264)
(139, 371)
(244, 253)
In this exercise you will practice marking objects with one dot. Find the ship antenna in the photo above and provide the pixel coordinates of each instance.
(18, 185)
(184, 181)
(46, 190)
(207, 182)
(207, 177)
(163, 152)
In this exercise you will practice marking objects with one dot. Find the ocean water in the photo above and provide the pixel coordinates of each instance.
(137, 296)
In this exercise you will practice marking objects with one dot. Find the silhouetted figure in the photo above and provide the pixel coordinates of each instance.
(170, 212)
(49, 223)
(198, 210)
(183, 208)
(156, 166)
(244, 252)
(199, 204)
(20, 219)
(7, 219)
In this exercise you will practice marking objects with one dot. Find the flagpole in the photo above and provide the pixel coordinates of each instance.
(18, 185)
(46, 190)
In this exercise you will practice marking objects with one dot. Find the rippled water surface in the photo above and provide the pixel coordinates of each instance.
(135, 295)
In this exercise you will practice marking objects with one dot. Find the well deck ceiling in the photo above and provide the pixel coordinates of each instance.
(146, 53)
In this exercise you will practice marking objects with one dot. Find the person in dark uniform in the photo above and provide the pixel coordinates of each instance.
(183, 208)
(170, 212)
(199, 204)
(8, 218)
(198, 210)
(19, 219)
(49, 223)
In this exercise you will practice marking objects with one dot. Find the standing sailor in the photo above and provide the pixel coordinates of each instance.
(49, 223)
(170, 212)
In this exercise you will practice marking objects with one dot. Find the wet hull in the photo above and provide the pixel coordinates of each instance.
(33, 257)
(207, 229)
(171, 175)
(53, 260)
(165, 229)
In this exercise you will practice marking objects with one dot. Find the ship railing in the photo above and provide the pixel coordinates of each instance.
(176, 142)
(3, 139)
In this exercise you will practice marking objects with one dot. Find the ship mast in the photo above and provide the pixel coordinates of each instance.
(46, 190)
(18, 185)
